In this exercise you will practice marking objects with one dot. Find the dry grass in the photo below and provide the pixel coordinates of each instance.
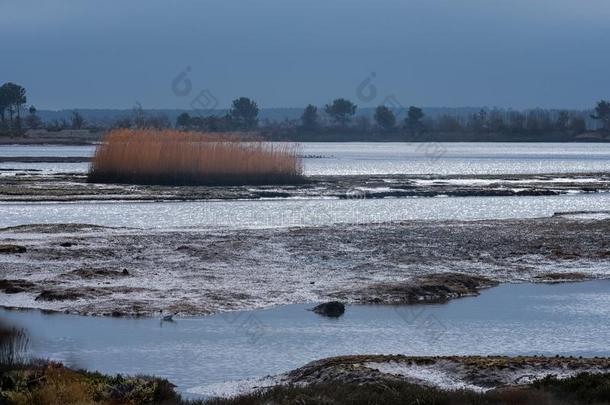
(61, 386)
(13, 347)
(190, 158)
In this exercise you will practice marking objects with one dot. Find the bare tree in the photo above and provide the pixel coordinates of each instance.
(77, 120)
(602, 113)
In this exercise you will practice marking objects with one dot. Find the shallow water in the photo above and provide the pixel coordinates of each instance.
(399, 158)
(199, 353)
(285, 213)
(456, 158)
(47, 150)
(9, 168)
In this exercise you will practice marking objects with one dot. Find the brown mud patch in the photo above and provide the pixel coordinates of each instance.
(87, 273)
(12, 249)
(71, 294)
(436, 288)
(561, 277)
(16, 286)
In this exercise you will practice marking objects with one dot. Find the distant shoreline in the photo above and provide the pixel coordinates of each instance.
(96, 138)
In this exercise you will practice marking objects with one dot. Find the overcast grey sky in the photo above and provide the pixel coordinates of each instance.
(288, 53)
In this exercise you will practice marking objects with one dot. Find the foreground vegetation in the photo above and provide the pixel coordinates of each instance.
(50, 384)
(582, 389)
(24, 381)
(339, 121)
(188, 158)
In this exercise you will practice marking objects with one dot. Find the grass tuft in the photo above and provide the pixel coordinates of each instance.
(190, 158)
(13, 347)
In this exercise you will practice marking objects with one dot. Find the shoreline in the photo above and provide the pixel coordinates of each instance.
(479, 373)
(424, 299)
(95, 139)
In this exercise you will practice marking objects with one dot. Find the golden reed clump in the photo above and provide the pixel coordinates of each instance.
(190, 158)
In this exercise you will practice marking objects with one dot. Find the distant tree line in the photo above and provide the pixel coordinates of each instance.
(495, 121)
(337, 120)
(15, 118)
(487, 124)
(139, 119)
(602, 114)
(243, 116)
(341, 113)
(12, 100)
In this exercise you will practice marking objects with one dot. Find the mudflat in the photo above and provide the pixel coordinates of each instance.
(97, 270)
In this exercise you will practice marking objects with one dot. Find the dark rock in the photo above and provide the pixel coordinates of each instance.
(66, 244)
(125, 272)
(8, 249)
(333, 309)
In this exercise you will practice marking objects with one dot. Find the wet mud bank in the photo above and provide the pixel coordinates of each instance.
(96, 270)
(32, 186)
(452, 372)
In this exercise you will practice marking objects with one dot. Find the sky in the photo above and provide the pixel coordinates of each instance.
(290, 53)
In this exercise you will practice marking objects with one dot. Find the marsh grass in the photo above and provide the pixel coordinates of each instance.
(13, 347)
(191, 158)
